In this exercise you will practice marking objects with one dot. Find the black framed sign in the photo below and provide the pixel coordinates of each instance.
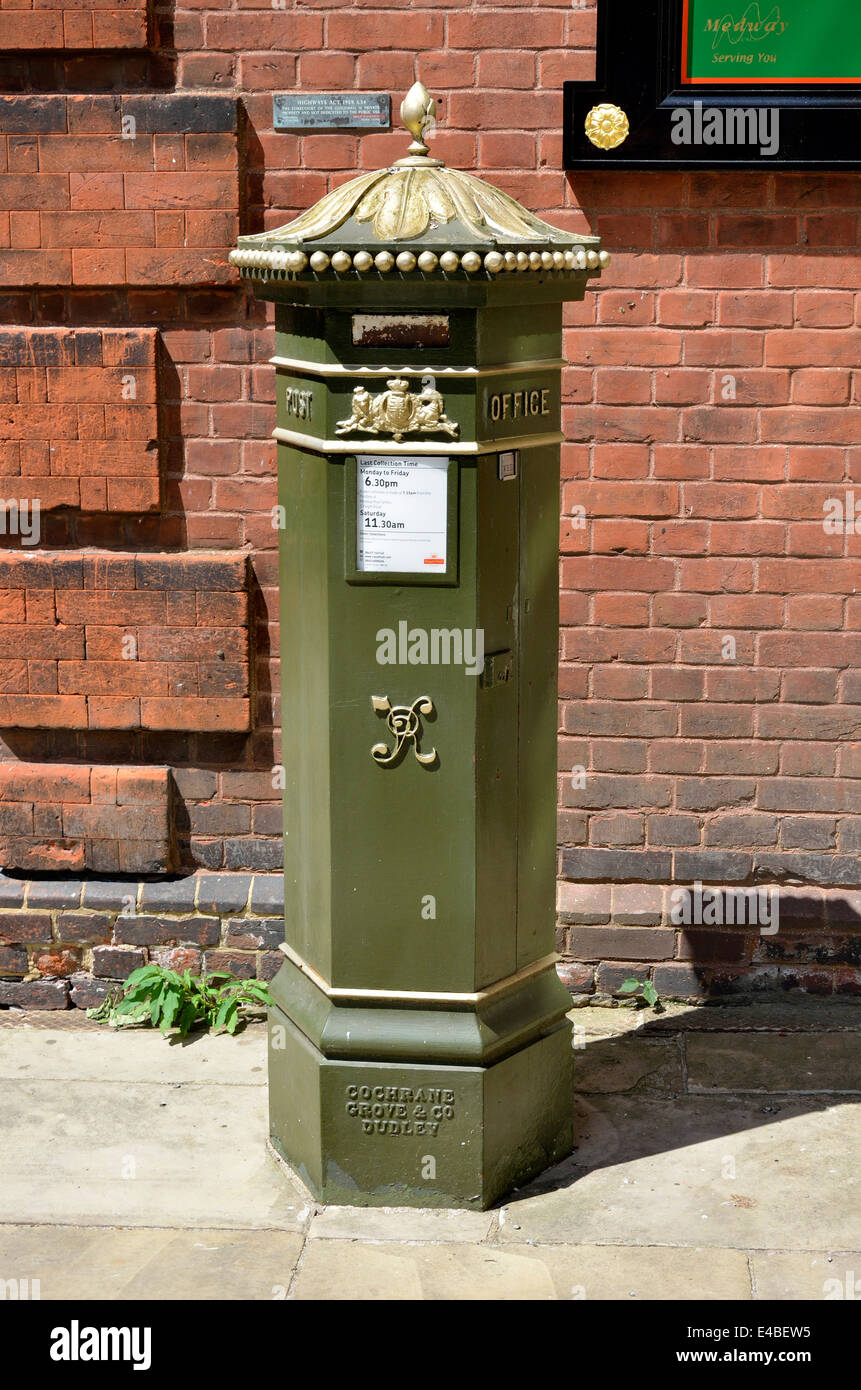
(704, 84)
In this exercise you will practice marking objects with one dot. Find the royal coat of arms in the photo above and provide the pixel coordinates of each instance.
(398, 411)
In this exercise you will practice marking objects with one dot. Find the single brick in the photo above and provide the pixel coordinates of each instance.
(579, 979)
(638, 904)
(248, 934)
(206, 854)
(13, 960)
(809, 949)
(268, 964)
(84, 928)
(199, 931)
(679, 982)
(704, 946)
(588, 903)
(116, 963)
(671, 832)
(621, 943)
(64, 962)
(254, 854)
(747, 830)
(616, 864)
(34, 994)
(190, 571)
(811, 868)
(610, 978)
(620, 828)
(100, 894)
(223, 893)
(182, 112)
(32, 115)
(178, 958)
(25, 926)
(267, 894)
(806, 832)
(87, 993)
(169, 895)
(36, 854)
(243, 966)
(11, 892)
(54, 893)
(163, 931)
(141, 856)
(143, 931)
(711, 866)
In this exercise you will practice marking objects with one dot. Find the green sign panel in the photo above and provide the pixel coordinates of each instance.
(726, 41)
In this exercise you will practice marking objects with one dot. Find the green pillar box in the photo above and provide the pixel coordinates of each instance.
(419, 1049)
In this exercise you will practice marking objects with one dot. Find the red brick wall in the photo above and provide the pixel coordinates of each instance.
(106, 819)
(711, 624)
(108, 641)
(118, 190)
(64, 24)
(712, 405)
(78, 420)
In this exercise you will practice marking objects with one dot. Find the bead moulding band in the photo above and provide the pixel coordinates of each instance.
(417, 996)
(374, 445)
(299, 364)
(362, 262)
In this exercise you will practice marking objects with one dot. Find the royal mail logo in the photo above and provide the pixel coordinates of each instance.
(434, 560)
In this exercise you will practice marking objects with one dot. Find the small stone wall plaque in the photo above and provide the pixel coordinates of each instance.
(331, 111)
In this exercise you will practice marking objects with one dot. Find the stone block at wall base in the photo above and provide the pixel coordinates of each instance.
(700, 942)
(66, 943)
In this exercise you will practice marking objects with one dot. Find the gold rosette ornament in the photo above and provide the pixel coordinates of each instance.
(607, 126)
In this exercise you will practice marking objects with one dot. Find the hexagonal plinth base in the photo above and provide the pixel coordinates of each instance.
(391, 1134)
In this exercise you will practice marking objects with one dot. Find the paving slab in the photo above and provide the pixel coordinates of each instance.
(644, 1272)
(140, 1154)
(400, 1224)
(791, 1275)
(335, 1270)
(799, 1063)
(697, 1171)
(85, 1262)
(538, 1273)
(135, 1168)
(140, 1055)
(608, 1064)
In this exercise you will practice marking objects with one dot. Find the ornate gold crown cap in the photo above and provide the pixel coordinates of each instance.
(416, 217)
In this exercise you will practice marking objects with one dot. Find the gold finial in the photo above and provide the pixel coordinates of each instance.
(418, 109)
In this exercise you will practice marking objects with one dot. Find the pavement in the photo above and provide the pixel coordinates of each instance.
(716, 1159)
